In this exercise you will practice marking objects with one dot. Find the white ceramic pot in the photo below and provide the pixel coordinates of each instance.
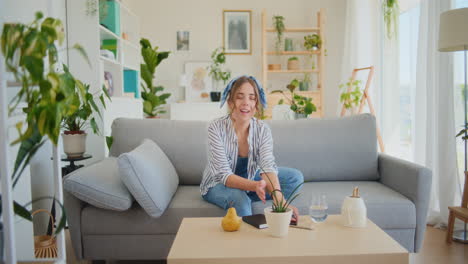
(278, 223)
(354, 212)
(74, 145)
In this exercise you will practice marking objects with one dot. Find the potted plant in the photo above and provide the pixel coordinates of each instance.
(304, 84)
(217, 73)
(351, 95)
(152, 102)
(278, 216)
(74, 136)
(49, 94)
(302, 106)
(391, 12)
(278, 24)
(293, 63)
(312, 42)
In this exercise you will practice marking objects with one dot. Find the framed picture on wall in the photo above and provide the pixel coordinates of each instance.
(183, 40)
(198, 82)
(237, 31)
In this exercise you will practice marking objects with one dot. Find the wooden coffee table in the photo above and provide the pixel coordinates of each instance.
(202, 240)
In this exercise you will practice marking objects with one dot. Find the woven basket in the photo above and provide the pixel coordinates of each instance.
(45, 246)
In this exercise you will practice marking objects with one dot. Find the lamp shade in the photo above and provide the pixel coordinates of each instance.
(453, 32)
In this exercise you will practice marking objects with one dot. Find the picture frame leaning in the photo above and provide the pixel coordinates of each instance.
(237, 32)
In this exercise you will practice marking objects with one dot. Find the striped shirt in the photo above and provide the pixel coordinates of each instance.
(223, 151)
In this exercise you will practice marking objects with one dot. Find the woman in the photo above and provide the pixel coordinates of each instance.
(240, 153)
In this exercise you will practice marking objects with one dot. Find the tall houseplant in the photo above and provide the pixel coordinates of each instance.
(219, 75)
(74, 136)
(302, 106)
(31, 56)
(152, 102)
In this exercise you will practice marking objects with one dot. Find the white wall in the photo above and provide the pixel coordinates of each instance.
(161, 19)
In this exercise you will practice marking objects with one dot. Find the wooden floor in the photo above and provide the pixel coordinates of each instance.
(434, 251)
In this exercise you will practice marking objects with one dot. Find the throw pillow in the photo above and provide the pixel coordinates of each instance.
(100, 185)
(150, 176)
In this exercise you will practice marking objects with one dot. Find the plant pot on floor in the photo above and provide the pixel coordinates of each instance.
(215, 96)
(278, 223)
(74, 143)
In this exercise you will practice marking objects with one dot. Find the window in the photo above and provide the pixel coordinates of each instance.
(408, 41)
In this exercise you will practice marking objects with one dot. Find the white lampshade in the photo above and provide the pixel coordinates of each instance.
(453, 32)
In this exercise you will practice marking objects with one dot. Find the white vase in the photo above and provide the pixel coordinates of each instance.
(354, 212)
(278, 223)
(74, 145)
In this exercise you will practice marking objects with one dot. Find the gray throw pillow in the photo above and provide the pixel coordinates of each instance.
(100, 185)
(150, 176)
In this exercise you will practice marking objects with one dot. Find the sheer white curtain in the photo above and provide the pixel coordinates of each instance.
(434, 129)
(362, 41)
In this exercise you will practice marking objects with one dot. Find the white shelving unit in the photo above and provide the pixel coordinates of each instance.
(85, 29)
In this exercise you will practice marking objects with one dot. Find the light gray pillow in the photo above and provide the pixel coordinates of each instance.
(100, 185)
(150, 176)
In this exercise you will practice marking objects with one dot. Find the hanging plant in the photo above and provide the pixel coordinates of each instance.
(278, 23)
(391, 11)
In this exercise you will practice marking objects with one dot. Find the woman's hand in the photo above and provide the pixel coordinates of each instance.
(295, 214)
(260, 190)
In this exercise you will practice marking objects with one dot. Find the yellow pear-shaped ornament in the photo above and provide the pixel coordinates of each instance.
(231, 222)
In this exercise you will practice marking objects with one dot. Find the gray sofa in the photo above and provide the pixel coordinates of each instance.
(334, 155)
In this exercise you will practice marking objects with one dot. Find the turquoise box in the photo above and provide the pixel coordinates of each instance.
(112, 20)
(131, 82)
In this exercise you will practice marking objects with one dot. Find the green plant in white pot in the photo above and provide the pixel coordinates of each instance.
(278, 216)
(219, 75)
(49, 95)
(302, 106)
(74, 135)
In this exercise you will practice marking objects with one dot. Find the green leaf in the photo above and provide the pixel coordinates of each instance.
(109, 141)
(35, 67)
(162, 56)
(281, 101)
(82, 52)
(21, 211)
(94, 126)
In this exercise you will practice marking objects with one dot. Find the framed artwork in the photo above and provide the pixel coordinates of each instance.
(198, 82)
(183, 40)
(237, 31)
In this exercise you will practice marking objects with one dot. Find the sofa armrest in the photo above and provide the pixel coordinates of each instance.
(73, 208)
(414, 182)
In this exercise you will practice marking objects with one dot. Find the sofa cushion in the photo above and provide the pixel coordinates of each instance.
(100, 185)
(385, 207)
(329, 149)
(150, 177)
(187, 202)
(184, 142)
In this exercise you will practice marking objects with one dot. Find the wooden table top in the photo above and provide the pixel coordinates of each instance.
(202, 240)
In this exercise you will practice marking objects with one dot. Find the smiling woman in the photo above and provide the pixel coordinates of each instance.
(241, 167)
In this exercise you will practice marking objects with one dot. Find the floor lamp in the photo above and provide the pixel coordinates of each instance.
(453, 36)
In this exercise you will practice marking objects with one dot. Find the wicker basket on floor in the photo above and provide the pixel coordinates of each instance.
(45, 246)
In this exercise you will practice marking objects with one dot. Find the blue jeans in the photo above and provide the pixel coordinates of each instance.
(222, 196)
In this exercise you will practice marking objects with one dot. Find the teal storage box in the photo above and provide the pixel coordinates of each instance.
(131, 82)
(112, 20)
